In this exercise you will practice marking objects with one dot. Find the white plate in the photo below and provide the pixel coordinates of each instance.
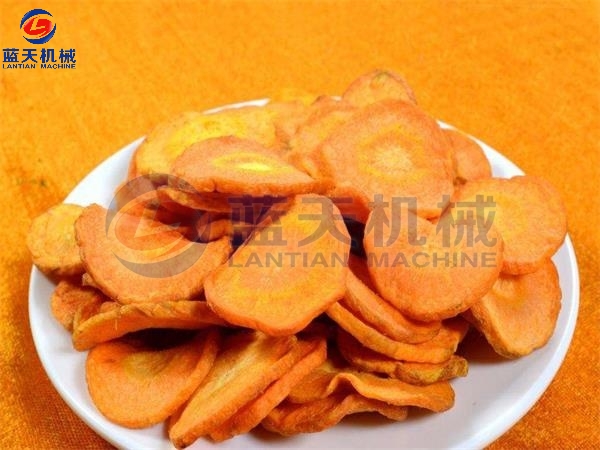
(494, 396)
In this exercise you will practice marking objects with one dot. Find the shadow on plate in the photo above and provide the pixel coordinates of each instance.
(475, 348)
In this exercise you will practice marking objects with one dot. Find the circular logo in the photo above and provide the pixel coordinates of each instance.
(38, 26)
(155, 239)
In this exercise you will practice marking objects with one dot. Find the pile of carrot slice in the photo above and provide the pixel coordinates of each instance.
(291, 264)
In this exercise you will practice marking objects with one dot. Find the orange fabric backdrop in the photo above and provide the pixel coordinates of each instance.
(522, 76)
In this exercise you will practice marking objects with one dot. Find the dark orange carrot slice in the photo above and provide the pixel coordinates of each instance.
(432, 271)
(300, 256)
(365, 359)
(206, 201)
(137, 387)
(308, 356)
(294, 418)
(330, 379)
(68, 297)
(133, 259)
(363, 302)
(519, 313)
(528, 213)
(392, 149)
(438, 349)
(378, 85)
(248, 364)
(116, 322)
(51, 241)
(240, 167)
(324, 116)
(470, 163)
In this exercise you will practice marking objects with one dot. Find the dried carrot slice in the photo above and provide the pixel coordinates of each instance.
(132, 259)
(470, 163)
(378, 85)
(116, 322)
(324, 116)
(68, 297)
(519, 313)
(301, 257)
(363, 358)
(137, 387)
(238, 166)
(363, 302)
(390, 148)
(438, 349)
(308, 356)
(168, 140)
(248, 363)
(140, 199)
(287, 116)
(214, 229)
(206, 201)
(51, 241)
(294, 418)
(329, 379)
(529, 214)
(432, 271)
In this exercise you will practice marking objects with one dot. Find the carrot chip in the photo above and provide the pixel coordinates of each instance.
(246, 366)
(519, 313)
(278, 285)
(528, 213)
(133, 260)
(308, 355)
(330, 379)
(429, 271)
(51, 241)
(293, 418)
(118, 321)
(138, 387)
(368, 360)
(69, 297)
(237, 166)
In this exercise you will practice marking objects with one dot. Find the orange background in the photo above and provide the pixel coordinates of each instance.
(522, 76)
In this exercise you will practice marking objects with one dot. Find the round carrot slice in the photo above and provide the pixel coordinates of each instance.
(206, 201)
(238, 166)
(287, 115)
(138, 387)
(326, 114)
(302, 252)
(528, 213)
(330, 378)
(519, 313)
(436, 350)
(118, 321)
(134, 259)
(378, 85)
(168, 140)
(432, 271)
(470, 163)
(246, 366)
(391, 149)
(51, 241)
(365, 359)
(294, 418)
(68, 297)
(308, 355)
(363, 302)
